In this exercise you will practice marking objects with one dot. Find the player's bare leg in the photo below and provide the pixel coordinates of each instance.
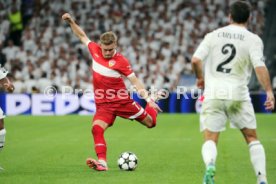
(98, 129)
(209, 135)
(209, 154)
(148, 122)
(250, 135)
(257, 154)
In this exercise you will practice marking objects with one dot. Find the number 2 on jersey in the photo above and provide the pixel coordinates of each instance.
(225, 49)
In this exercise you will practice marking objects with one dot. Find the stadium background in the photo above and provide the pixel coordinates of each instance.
(159, 39)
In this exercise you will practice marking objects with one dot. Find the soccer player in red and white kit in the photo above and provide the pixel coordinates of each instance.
(108, 68)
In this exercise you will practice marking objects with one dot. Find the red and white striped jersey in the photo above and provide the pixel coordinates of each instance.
(107, 75)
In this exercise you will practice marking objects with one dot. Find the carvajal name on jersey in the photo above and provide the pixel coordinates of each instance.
(235, 36)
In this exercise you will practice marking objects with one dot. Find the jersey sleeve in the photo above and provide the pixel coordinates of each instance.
(204, 48)
(3, 73)
(125, 68)
(256, 53)
(93, 48)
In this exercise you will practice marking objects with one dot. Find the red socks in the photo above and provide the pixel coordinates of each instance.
(99, 142)
(98, 134)
(153, 114)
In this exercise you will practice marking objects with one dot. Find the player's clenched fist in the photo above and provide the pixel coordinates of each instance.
(67, 17)
(9, 87)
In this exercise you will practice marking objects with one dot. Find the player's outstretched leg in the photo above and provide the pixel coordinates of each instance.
(153, 116)
(152, 112)
(98, 130)
(97, 165)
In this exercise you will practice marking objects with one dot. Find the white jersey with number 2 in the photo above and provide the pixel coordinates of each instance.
(229, 54)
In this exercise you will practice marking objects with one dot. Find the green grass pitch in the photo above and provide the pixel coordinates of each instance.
(53, 150)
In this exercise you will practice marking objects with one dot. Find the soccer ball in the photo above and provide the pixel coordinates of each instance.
(127, 161)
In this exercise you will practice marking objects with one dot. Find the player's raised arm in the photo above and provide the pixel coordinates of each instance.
(264, 79)
(76, 28)
(7, 85)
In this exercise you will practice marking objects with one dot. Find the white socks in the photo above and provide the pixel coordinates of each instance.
(209, 152)
(257, 156)
(2, 138)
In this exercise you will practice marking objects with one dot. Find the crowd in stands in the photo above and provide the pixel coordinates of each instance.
(158, 38)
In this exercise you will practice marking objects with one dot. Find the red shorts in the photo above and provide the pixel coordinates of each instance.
(129, 109)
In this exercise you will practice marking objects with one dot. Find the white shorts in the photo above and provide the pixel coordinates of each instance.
(1, 114)
(215, 114)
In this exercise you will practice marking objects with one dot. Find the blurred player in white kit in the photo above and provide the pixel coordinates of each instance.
(7, 86)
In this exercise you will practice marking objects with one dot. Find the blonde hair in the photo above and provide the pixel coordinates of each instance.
(108, 38)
